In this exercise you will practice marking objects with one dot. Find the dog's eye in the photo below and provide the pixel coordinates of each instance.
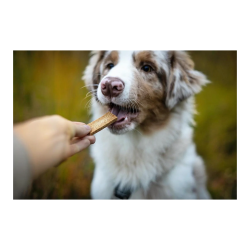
(110, 65)
(147, 68)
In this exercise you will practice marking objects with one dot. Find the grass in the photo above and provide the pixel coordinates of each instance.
(49, 82)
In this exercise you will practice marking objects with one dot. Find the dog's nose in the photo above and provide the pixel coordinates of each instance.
(112, 86)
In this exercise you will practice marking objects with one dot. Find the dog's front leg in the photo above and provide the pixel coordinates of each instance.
(101, 187)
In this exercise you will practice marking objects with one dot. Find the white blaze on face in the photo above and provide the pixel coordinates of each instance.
(124, 71)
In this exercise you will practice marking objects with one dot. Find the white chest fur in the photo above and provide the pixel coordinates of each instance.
(137, 160)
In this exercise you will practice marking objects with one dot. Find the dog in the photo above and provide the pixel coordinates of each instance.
(148, 153)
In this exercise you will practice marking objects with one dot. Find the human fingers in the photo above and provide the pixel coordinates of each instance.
(91, 138)
(81, 144)
(79, 129)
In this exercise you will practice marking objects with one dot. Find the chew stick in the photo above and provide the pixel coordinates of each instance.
(102, 122)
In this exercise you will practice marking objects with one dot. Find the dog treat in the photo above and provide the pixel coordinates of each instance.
(102, 122)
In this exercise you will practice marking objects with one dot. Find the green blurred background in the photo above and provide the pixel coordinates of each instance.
(49, 82)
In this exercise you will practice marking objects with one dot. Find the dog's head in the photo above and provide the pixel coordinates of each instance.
(141, 87)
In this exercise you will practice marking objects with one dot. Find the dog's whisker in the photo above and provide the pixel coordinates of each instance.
(92, 91)
(88, 95)
(89, 86)
(86, 105)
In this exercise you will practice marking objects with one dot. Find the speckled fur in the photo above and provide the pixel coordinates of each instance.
(155, 156)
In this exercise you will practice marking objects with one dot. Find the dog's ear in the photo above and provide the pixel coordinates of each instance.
(92, 74)
(183, 80)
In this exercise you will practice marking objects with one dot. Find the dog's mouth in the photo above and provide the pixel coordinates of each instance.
(125, 115)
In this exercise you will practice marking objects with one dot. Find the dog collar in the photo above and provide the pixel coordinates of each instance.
(122, 193)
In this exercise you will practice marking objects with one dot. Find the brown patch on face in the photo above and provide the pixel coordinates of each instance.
(154, 114)
(145, 57)
(151, 94)
(162, 77)
(96, 72)
(112, 57)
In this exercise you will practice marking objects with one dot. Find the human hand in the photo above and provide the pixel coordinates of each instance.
(52, 139)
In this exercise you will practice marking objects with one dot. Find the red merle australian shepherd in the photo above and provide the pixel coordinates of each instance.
(148, 153)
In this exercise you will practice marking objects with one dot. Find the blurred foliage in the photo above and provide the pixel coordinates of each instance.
(49, 82)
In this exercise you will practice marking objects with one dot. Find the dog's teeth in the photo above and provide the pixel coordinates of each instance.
(126, 118)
